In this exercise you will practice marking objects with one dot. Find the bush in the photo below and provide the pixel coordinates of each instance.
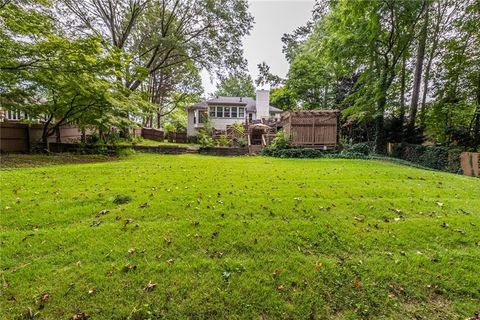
(239, 127)
(242, 143)
(92, 138)
(281, 141)
(307, 153)
(362, 148)
(435, 157)
(205, 140)
(223, 141)
(293, 153)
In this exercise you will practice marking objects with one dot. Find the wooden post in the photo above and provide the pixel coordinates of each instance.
(29, 138)
(469, 164)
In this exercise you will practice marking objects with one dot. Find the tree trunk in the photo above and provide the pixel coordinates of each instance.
(417, 78)
(380, 138)
(431, 56)
(402, 95)
(475, 126)
(325, 97)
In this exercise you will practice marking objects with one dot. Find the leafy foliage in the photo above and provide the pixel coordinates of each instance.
(237, 85)
(440, 158)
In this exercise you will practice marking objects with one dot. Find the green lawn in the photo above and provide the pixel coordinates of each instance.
(239, 238)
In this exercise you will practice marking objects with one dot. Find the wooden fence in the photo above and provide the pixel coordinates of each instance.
(20, 137)
(469, 164)
(311, 128)
(153, 134)
(179, 137)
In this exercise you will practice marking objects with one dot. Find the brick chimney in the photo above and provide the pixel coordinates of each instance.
(263, 104)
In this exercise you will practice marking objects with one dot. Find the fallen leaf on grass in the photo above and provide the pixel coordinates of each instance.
(318, 265)
(5, 283)
(357, 284)
(95, 223)
(145, 205)
(45, 296)
(30, 313)
(170, 261)
(92, 291)
(102, 212)
(129, 267)
(132, 250)
(80, 316)
(150, 286)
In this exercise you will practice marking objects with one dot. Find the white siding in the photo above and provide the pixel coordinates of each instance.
(221, 123)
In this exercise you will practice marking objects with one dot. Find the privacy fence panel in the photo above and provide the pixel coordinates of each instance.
(311, 128)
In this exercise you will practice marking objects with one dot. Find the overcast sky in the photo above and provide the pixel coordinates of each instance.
(273, 18)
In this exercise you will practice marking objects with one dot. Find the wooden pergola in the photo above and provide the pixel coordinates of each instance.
(311, 128)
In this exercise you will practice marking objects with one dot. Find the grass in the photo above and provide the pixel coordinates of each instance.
(238, 238)
(9, 161)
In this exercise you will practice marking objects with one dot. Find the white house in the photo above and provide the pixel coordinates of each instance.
(224, 111)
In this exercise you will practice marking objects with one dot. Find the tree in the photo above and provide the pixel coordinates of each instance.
(237, 85)
(62, 81)
(266, 77)
(418, 76)
(283, 98)
(371, 37)
(159, 34)
(170, 89)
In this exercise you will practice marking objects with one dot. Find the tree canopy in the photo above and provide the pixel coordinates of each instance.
(104, 63)
(402, 70)
(237, 85)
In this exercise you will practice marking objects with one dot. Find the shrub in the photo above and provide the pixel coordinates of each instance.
(435, 157)
(92, 138)
(242, 143)
(307, 153)
(205, 140)
(281, 141)
(239, 127)
(168, 127)
(362, 148)
(223, 141)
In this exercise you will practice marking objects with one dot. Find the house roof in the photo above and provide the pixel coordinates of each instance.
(247, 102)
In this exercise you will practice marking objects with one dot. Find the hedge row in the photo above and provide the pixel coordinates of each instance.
(440, 158)
(307, 153)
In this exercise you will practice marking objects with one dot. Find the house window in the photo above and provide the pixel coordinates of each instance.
(16, 115)
(202, 116)
(226, 112)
